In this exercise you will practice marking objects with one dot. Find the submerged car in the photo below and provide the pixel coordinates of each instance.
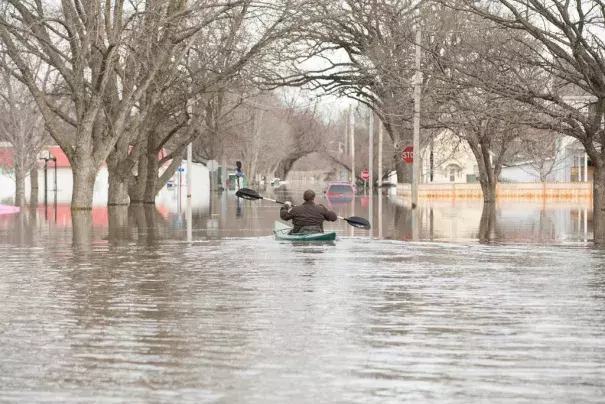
(341, 192)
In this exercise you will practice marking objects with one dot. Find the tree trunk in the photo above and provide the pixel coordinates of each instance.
(487, 178)
(152, 176)
(33, 194)
(487, 224)
(118, 190)
(489, 189)
(153, 233)
(285, 165)
(81, 222)
(404, 172)
(20, 185)
(136, 188)
(118, 181)
(598, 201)
(136, 214)
(84, 177)
(118, 228)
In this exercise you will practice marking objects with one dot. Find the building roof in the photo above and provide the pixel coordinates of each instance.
(7, 154)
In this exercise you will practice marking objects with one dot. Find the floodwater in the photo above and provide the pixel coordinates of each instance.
(446, 303)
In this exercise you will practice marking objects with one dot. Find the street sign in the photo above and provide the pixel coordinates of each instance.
(212, 165)
(365, 175)
(408, 155)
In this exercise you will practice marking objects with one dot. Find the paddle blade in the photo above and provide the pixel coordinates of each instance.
(247, 193)
(359, 222)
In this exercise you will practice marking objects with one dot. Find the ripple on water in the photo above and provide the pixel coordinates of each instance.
(254, 320)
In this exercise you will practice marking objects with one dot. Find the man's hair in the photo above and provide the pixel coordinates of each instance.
(309, 195)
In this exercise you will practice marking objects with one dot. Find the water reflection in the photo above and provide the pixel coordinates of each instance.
(132, 314)
(391, 218)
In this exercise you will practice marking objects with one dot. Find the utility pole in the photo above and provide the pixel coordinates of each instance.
(224, 175)
(352, 134)
(380, 157)
(189, 186)
(189, 169)
(371, 153)
(345, 150)
(416, 142)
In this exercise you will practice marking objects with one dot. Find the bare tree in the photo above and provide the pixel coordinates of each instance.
(562, 41)
(196, 96)
(364, 50)
(101, 52)
(21, 125)
(541, 153)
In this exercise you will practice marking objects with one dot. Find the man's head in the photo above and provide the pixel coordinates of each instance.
(309, 195)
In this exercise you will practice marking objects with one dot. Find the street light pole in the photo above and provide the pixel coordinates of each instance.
(371, 153)
(380, 155)
(416, 141)
(54, 159)
(352, 143)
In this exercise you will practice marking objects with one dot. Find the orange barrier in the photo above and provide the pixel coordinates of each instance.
(504, 190)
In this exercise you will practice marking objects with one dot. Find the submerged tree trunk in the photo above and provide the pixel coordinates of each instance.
(118, 189)
(136, 188)
(487, 224)
(488, 178)
(33, 184)
(598, 201)
(118, 180)
(81, 222)
(84, 177)
(20, 185)
(152, 174)
(118, 228)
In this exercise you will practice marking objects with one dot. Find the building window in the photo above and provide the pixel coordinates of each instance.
(453, 171)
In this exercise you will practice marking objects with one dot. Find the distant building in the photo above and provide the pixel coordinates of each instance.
(448, 159)
(64, 177)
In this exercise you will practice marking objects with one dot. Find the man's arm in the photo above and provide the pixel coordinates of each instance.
(284, 213)
(328, 214)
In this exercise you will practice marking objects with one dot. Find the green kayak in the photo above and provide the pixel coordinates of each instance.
(281, 233)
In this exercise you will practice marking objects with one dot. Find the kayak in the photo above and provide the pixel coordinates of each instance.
(281, 233)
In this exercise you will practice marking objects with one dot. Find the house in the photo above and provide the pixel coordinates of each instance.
(448, 159)
(569, 163)
(59, 172)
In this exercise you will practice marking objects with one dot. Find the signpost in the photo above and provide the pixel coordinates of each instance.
(407, 155)
(213, 166)
(365, 176)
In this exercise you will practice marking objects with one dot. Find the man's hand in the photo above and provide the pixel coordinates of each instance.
(288, 205)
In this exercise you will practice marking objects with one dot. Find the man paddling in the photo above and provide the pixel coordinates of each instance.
(308, 217)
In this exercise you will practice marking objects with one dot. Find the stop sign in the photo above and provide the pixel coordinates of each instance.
(365, 175)
(408, 154)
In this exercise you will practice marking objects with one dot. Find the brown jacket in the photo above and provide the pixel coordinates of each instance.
(308, 215)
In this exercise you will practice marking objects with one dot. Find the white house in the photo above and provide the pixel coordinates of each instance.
(448, 158)
(570, 163)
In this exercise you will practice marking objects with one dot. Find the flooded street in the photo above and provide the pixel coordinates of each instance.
(123, 306)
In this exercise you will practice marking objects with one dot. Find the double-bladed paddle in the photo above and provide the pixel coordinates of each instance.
(250, 194)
